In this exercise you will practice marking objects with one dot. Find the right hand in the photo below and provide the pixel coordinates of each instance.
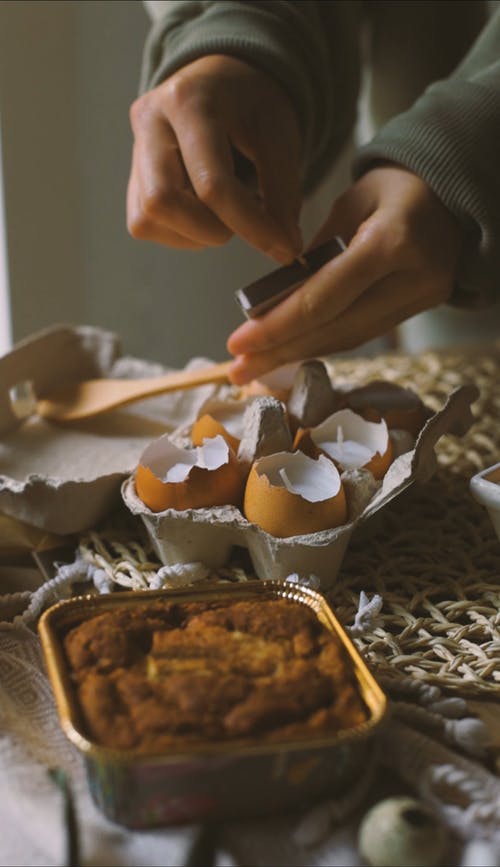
(402, 258)
(184, 190)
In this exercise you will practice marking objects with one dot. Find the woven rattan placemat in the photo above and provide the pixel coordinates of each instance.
(431, 554)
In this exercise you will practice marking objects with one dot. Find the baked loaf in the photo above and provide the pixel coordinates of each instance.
(163, 675)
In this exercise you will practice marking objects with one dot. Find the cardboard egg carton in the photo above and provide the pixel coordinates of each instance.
(65, 479)
(209, 535)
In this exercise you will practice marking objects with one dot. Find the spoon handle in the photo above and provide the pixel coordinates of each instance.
(81, 400)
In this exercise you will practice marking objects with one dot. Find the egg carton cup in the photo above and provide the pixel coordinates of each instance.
(209, 535)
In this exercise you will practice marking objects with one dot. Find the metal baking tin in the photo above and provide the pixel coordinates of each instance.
(212, 781)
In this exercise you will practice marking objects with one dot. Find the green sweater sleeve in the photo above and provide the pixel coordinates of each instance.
(451, 138)
(303, 44)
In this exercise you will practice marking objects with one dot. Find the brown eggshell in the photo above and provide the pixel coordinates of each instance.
(200, 489)
(207, 427)
(282, 513)
(380, 463)
(321, 436)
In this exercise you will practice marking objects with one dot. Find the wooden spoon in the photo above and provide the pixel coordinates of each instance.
(80, 400)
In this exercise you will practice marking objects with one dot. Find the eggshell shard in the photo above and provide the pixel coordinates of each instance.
(169, 477)
(290, 494)
(352, 442)
(401, 832)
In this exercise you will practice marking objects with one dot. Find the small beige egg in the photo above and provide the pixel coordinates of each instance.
(402, 832)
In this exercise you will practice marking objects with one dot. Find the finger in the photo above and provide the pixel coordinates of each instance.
(322, 298)
(206, 151)
(143, 228)
(279, 173)
(166, 194)
(386, 304)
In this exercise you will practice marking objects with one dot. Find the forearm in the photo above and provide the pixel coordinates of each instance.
(450, 138)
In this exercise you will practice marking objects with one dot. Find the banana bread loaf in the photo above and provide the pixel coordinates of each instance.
(164, 675)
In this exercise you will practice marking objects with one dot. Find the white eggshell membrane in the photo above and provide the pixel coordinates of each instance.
(349, 439)
(314, 480)
(169, 463)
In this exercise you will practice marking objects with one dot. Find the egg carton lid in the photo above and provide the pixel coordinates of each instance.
(64, 479)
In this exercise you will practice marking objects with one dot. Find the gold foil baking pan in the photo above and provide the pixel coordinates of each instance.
(212, 781)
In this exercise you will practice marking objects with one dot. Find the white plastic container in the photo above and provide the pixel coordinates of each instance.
(485, 488)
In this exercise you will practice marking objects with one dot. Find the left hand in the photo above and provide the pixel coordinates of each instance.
(401, 259)
(193, 135)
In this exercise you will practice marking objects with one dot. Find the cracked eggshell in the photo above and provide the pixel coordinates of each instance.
(180, 478)
(350, 441)
(291, 494)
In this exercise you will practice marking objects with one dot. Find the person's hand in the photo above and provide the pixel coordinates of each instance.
(401, 259)
(192, 133)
